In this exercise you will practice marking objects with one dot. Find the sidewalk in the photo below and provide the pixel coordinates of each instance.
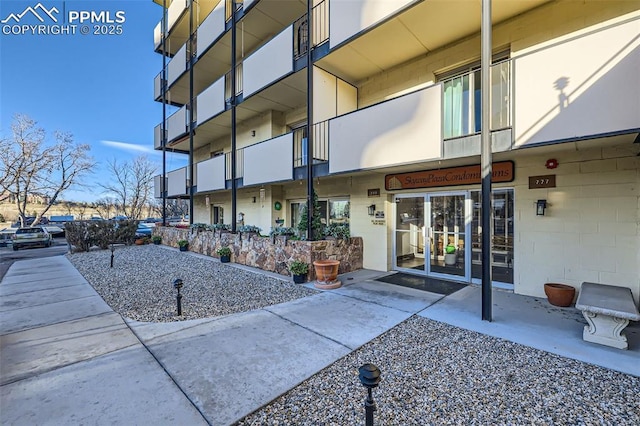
(68, 358)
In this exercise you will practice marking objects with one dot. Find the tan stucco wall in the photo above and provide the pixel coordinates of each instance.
(554, 20)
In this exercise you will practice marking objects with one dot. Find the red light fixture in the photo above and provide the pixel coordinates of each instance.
(551, 163)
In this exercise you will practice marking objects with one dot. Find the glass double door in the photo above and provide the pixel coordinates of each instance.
(432, 234)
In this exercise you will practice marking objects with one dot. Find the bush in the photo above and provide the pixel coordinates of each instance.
(224, 251)
(335, 230)
(298, 267)
(183, 243)
(249, 228)
(156, 239)
(83, 234)
(282, 230)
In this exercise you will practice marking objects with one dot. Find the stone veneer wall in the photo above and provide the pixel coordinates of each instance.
(260, 252)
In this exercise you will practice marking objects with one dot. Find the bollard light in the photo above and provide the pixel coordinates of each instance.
(369, 376)
(113, 248)
(177, 284)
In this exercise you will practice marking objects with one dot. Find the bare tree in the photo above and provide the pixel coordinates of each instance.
(104, 206)
(29, 168)
(131, 185)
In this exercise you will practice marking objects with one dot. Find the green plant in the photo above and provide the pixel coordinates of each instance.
(316, 222)
(199, 226)
(282, 230)
(339, 231)
(183, 243)
(249, 228)
(450, 249)
(224, 251)
(298, 267)
(221, 227)
(156, 239)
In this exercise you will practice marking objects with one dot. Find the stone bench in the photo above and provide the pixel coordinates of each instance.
(608, 310)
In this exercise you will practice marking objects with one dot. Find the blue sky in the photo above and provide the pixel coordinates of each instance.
(97, 87)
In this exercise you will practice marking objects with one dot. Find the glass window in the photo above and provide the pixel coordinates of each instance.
(331, 211)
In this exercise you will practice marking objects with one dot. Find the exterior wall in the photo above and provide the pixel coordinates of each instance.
(521, 34)
(332, 96)
(590, 231)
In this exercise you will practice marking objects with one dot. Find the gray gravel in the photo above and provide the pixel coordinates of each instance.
(434, 374)
(140, 285)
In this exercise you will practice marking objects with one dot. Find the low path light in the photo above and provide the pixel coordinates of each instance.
(369, 376)
(177, 284)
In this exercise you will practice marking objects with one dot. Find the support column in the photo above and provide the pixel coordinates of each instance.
(234, 64)
(310, 211)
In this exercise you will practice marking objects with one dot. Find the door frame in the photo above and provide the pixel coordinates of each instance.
(426, 234)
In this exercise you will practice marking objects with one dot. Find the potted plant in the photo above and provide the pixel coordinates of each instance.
(225, 254)
(156, 239)
(299, 270)
(327, 274)
(450, 257)
(183, 244)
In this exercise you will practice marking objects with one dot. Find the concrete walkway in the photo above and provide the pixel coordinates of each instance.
(67, 358)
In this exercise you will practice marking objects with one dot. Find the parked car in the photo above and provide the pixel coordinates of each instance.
(144, 230)
(29, 237)
(6, 235)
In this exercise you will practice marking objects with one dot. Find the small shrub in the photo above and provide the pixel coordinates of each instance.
(224, 251)
(298, 267)
(282, 230)
(156, 239)
(338, 231)
(183, 243)
(199, 227)
(249, 228)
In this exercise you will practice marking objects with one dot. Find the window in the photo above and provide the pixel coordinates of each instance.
(462, 112)
(332, 210)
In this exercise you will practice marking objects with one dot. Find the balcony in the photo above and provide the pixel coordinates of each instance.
(211, 174)
(177, 65)
(177, 183)
(177, 125)
(158, 187)
(270, 63)
(269, 161)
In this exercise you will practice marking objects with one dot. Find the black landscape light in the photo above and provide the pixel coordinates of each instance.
(369, 376)
(177, 284)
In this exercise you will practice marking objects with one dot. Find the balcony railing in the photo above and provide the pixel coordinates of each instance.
(229, 6)
(320, 30)
(320, 144)
(239, 164)
(227, 83)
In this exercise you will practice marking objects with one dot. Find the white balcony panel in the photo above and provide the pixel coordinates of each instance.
(271, 62)
(211, 174)
(157, 86)
(407, 129)
(157, 186)
(248, 3)
(211, 101)
(269, 161)
(177, 182)
(349, 17)
(211, 28)
(157, 136)
(177, 65)
(561, 92)
(174, 12)
(177, 124)
(157, 35)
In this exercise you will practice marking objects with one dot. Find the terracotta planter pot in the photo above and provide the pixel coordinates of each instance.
(139, 242)
(327, 274)
(559, 294)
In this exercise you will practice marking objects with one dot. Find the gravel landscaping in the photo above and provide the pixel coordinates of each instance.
(437, 374)
(432, 373)
(140, 285)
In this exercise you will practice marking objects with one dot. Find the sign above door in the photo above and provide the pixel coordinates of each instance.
(452, 176)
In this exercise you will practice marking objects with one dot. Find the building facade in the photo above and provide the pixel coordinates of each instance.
(389, 119)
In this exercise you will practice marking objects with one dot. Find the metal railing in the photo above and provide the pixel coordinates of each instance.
(320, 144)
(227, 83)
(228, 6)
(320, 15)
(239, 164)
